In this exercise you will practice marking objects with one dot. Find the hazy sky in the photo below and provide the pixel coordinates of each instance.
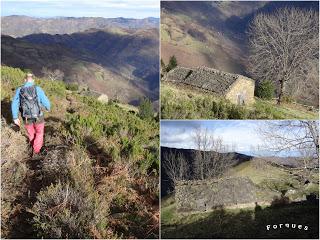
(244, 134)
(82, 8)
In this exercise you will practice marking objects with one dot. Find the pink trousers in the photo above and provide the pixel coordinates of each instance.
(35, 134)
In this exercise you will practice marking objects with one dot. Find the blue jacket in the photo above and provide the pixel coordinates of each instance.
(42, 98)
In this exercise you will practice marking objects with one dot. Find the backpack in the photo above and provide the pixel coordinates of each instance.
(29, 103)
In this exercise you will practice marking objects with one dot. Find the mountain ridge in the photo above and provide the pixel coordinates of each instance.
(20, 25)
(121, 63)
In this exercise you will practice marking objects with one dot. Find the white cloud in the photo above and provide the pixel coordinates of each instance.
(129, 4)
(242, 134)
(81, 8)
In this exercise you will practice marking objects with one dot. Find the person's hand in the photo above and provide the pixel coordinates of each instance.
(17, 122)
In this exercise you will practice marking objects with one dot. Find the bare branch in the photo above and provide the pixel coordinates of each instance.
(282, 45)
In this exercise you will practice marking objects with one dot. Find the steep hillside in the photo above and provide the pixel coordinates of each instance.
(212, 33)
(96, 178)
(121, 63)
(19, 26)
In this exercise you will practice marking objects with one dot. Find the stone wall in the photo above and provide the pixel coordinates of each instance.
(243, 90)
(205, 195)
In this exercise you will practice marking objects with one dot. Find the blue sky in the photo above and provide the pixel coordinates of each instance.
(82, 8)
(244, 134)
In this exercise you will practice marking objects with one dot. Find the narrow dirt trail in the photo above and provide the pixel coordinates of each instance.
(34, 183)
(22, 227)
(36, 178)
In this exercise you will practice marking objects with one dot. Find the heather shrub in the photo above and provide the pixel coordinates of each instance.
(72, 207)
(62, 211)
(55, 167)
(14, 148)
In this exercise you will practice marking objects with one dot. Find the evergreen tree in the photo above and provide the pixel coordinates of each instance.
(265, 90)
(172, 63)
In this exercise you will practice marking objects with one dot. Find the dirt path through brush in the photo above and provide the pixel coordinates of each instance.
(22, 218)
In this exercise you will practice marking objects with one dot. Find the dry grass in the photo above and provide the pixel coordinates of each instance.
(14, 148)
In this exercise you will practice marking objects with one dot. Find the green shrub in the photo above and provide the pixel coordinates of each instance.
(265, 90)
(146, 109)
(54, 89)
(150, 162)
(72, 86)
(11, 79)
(237, 112)
(80, 127)
(130, 148)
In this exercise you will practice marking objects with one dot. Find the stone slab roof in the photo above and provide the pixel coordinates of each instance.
(205, 78)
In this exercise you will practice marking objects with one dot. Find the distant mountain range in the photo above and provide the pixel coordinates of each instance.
(118, 57)
(19, 26)
(213, 33)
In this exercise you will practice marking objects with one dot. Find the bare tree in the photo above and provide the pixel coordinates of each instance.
(176, 166)
(307, 164)
(307, 91)
(296, 135)
(201, 140)
(282, 45)
(53, 75)
(211, 158)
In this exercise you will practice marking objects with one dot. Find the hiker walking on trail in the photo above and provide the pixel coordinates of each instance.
(29, 99)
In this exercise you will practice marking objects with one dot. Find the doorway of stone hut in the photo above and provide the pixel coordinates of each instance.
(241, 99)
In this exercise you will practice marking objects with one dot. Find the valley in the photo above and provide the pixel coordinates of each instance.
(121, 62)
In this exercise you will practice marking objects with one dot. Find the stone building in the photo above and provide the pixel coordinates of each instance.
(205, 195)
(234, 87)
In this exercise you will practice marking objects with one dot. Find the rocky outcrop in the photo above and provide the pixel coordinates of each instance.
(103, 98)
